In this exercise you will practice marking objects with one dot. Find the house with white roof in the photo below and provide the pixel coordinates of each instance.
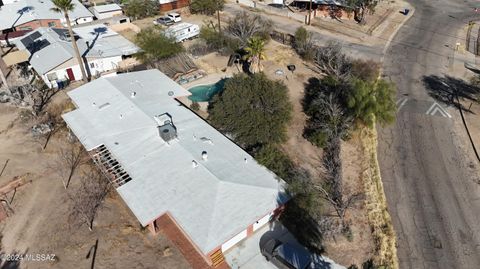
(175, 172)
(27, 15)
(53, 58)
(106, 11)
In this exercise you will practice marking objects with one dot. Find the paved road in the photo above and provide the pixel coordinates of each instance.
(321, 38)
(430, 179)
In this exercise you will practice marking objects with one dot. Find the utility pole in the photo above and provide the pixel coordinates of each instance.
(310, 13)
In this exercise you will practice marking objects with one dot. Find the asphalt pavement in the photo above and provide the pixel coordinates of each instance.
(430, 177)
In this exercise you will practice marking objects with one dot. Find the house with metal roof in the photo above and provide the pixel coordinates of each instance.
(52, 56)
(106, 11)
(175, 172)
(17, 15)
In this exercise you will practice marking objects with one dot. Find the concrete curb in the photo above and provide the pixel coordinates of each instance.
(387, 45)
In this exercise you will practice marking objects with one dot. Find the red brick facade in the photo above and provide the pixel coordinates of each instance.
(167, 225)
(32, 25)
(174, 5)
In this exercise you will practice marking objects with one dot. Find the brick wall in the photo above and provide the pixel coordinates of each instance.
(172, 230)
(174, 5)
(38, 23)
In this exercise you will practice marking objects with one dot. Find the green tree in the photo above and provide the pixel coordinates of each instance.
(253, 110)
(139, 9)
(255, 50)
(66, 6)
(274, 159)
(155, 45)
(208, 7)
(372, 101)
(304, 43)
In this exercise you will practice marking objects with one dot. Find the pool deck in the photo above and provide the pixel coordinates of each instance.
(208, 79)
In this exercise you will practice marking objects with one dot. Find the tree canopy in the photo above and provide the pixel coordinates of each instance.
(245, 26)
(253, 110)
(156, 45)
(372, 101)
(207, 7)
(139, 9)
(255, 53)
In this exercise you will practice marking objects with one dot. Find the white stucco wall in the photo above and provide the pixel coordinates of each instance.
(105, 15)
(78, 21)
(95, 66)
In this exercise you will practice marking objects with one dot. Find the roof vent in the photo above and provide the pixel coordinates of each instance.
(166, 129)
(133, 94)
(204, 155)
(194, 164)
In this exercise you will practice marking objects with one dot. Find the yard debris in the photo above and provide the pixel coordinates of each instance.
(42, 129)
(20, 96)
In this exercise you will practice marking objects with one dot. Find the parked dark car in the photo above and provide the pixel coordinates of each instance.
(286, 256)
(167, 21)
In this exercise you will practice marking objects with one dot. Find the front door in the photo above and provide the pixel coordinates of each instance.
(71, 77)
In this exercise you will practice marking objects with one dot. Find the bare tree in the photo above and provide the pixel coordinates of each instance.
(88, 198)
(335, 123)
(69, 159)
(244, 26)
(41, 97)
(332, 61)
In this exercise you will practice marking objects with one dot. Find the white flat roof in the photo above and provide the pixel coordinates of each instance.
(212, 202)
(107, 8)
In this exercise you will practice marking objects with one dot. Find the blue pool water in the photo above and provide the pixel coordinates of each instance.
(205, 93)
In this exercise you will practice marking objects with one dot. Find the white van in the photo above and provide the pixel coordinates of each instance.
(183, 31)
(175, 17)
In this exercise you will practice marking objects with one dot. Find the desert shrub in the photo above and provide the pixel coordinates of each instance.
(303, 44)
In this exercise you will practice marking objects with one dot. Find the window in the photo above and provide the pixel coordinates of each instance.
(52, 76)
(52, 24)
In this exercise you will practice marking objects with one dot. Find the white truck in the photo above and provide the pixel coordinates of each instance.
(183, 31)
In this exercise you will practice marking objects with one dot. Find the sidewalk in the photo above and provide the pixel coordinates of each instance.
(361, 41)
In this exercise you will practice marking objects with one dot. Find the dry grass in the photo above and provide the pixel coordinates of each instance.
(376, 204)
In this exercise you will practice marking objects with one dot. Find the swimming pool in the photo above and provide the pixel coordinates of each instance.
(204, 93)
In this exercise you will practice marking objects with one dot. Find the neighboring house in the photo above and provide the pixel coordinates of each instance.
(53, 58)
(167, 5)
(24, 15)
(106, 11)
(326, 8)
(176, 173)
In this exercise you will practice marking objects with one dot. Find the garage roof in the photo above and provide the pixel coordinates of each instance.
(213, 201)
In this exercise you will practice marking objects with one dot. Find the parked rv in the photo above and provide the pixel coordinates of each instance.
(183, 31)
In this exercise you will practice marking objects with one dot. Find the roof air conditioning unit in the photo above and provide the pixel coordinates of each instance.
(166, 129)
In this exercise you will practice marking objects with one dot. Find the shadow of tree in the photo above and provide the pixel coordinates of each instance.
(303, 226)
(446, 89)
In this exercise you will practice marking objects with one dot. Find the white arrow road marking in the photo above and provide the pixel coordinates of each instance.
(435, 107)
(401, 102)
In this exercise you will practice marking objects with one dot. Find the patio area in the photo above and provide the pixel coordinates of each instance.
(246, 254)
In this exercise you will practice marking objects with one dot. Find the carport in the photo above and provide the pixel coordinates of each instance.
(246, 254)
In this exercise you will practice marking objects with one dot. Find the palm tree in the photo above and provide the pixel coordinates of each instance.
(255, 53)
(65, 6)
